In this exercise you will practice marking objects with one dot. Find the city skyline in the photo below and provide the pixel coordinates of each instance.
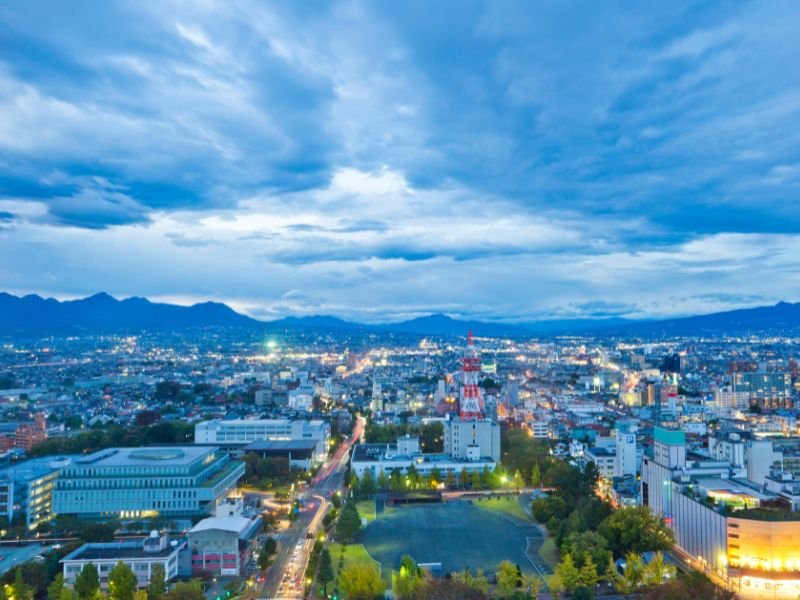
(490, 161)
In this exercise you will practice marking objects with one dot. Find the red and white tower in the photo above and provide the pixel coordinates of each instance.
(470, 405)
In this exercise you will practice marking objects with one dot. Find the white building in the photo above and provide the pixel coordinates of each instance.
(140, 556)
(625, 453)
(240, 432)
(726, 398)
(400, 457)
(460, 435)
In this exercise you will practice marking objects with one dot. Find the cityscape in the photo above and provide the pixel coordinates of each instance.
(358, 300)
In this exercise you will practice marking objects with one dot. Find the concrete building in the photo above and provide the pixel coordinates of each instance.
(135, 483)
(460, 435)
(625, 462)
(140, 556)
(241, 432)
(603, 458)
(26, 488)
(400, 457)
(301, 454)
(768, 389)
(222, 545)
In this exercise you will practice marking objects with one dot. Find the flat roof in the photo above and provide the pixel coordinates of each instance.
(36, 467)
(147, 456)
(119, 550)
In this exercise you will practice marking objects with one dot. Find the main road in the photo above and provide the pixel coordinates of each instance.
(287, 575)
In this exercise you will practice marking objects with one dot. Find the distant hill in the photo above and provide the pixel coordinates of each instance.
(101, 312)
(443, 325)
(43, 316)
(781, 318)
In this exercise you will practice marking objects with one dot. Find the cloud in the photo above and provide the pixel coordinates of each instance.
(379, 159)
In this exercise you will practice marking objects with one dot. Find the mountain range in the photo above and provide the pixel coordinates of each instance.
(33, 314)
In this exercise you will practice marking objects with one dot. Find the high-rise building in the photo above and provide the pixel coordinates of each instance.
(768, 389)
(461, 435)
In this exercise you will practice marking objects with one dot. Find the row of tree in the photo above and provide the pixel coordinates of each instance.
(122, 585)
(395, 481)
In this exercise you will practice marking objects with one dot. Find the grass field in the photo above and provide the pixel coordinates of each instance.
(507, 505)
(457, 534)
(353, 553)
(366, 509)
(549, 553)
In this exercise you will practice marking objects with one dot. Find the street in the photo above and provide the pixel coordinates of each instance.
(286, 577)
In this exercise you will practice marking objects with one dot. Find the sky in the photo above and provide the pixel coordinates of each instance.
(377, 161)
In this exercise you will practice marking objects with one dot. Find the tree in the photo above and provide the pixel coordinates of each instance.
(536, 476)
(54, 589)
(383, 481)
(157, 586)
(582, 593)
(480, 582)
(691, 585)
(632, 574)
(361, 581)
(446, 589)
(476, 480)
(635, 529)
(507, 578)
(348, 524)
(568, 573)
(267, 552)
(97, 532)
(589, 574)
(586, 545)
(87, 582)
(191, 590)
(367, 486)
(517, 482)
(532, 585)
(122, 582)
(408, 577)
(325, 570)
(464, 478)
(657, 570)
(19, 589)
(140, 595)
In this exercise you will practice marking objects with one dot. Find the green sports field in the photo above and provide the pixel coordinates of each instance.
(458, 534)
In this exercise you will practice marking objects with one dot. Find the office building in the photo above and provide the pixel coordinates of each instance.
(401, 456)
(26, 489)
(769, 390)
(236, 433)
(460, 435)
(135, 483)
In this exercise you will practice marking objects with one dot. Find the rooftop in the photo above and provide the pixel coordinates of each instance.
(144, 457)
(119, 551)
(241, 526)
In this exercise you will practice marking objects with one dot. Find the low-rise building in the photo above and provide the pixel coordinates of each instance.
(405, 454)
(237, 433)
(222, 545)
(140, 556)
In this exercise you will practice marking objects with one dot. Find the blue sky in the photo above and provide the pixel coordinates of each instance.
(380, 160)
